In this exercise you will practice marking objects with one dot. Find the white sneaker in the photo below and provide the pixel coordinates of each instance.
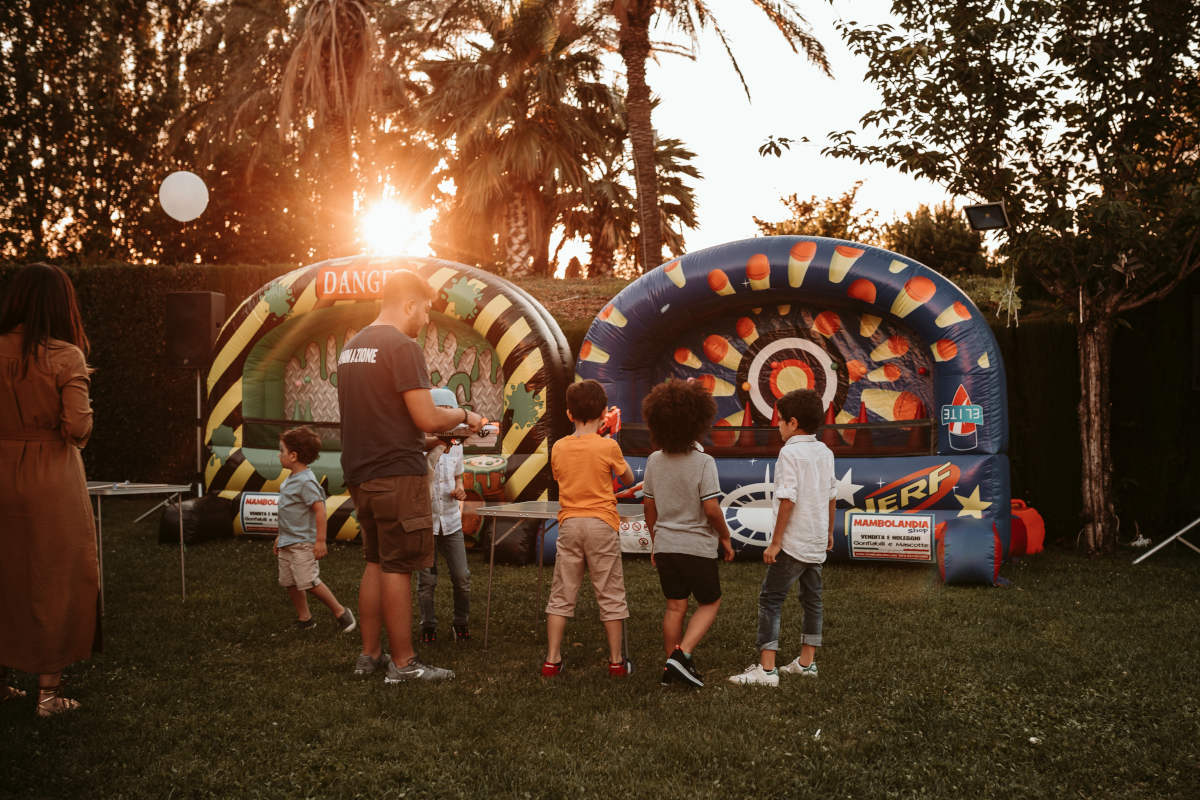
(794, 667)
(755, 675)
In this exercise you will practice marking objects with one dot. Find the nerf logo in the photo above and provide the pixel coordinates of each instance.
(965, 414)
(913, 492)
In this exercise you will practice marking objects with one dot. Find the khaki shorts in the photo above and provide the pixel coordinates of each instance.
(396, 522)
(298, 566)
(587, 543)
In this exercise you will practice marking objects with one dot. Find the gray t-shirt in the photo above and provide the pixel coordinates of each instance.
(297, 522)
(679, 483)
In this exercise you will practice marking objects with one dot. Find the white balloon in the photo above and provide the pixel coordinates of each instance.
(183, 196)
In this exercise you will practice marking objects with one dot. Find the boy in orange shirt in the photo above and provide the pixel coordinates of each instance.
(583, 464)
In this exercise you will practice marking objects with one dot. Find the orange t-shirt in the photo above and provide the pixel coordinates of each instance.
(583, 467)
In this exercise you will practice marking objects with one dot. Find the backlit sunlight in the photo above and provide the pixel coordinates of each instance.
(391, 229)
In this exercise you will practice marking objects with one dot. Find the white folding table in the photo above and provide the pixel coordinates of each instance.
(102, 489)
(518, 512)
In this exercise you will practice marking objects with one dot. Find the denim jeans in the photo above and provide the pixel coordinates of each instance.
(780, 577)
(454, 552)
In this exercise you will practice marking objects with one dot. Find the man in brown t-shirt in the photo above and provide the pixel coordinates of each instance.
(385, 405)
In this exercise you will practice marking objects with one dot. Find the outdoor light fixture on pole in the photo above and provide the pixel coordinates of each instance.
(987, 216)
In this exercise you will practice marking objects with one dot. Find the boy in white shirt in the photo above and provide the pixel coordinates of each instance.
(805, 499)
(446, 491)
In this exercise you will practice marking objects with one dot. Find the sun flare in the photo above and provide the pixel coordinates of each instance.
(391, 229)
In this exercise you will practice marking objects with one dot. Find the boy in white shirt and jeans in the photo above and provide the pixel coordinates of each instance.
(446, 491)
(805, 499)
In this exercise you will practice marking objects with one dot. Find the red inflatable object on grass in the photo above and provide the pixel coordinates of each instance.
(1028, 530)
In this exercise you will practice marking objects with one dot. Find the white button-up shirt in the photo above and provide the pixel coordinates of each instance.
(445, 465)
(804, 475)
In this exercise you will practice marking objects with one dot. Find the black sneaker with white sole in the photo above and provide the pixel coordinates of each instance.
(684, 668)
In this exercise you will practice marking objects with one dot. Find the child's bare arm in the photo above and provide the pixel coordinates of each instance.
(651, 512)
(832, 511)
(320, 549)
(785, 513)
(716, 521)
(626, 477)
(459, 493)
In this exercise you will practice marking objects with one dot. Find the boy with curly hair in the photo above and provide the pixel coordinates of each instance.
(685, 520)
(301, 539)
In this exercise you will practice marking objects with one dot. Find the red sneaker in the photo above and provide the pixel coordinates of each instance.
(620, 669)
(550, 669)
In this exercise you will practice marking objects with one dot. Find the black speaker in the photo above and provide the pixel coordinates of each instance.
(193, 320)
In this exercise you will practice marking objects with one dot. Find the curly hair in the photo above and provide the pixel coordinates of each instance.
(804, 406)
(678, 413)
(302, 441)
(586, 400)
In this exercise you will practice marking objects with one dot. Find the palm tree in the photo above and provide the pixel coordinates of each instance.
(523, 110)
(634, 18)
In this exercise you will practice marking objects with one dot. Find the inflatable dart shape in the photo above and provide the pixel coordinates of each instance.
(918, 435)
(714, 385)
(984, 362)
(748, 437)
(955, 313)
(718, 281)
(855, 369)
(916, 292)
(674, 271)
(721, 438)
(963, 435)
(784, 310)
(894, 346)
(944, 350)
(686, 358)
(891, 405)
(829, 435)
(888, 373)
(897, 266)
(827, 324)
(845, 418)
(719, 351)
(758, 270)
(862, 289)
(590, 352)
(843, 259)
(861, 439)
(612, 316)
(799, 259)
(747, 330)
(868, 324)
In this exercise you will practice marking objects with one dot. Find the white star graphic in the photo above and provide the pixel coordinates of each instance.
(847, 488)
(972, 505)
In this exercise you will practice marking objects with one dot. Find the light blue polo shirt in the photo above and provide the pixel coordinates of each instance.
(297, 522)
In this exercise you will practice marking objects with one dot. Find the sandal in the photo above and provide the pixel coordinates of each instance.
(50, 702)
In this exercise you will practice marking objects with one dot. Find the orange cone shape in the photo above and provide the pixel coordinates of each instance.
(843, 259)
(718, 281)
(758, 270)
(799, 258)
(674, 271)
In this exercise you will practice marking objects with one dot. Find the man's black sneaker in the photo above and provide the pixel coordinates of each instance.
(684, 668)
(462, 633)
(306, 624)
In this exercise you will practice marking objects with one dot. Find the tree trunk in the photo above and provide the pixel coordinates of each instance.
(1094, 334)
(602, 260)
(634, 37)
(518, 248)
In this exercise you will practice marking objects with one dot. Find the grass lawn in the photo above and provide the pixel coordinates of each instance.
(1079, 681)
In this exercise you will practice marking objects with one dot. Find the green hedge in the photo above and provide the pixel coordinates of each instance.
(145, 406)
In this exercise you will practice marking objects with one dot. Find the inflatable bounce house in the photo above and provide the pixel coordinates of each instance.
(275, 366)
(910, 374)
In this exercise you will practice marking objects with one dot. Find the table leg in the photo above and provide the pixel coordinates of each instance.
(487, 614)
(100, 547)
(182, 571)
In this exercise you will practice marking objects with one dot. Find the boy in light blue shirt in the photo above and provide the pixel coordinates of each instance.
(301, 539)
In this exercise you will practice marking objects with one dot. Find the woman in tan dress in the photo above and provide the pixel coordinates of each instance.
(49, 573)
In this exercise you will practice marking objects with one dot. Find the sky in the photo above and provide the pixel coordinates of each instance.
(703, 103)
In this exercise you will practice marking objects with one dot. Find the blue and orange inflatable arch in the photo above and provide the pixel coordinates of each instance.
(908, 368)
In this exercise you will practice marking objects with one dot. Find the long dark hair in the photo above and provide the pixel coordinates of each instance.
(41, 298)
